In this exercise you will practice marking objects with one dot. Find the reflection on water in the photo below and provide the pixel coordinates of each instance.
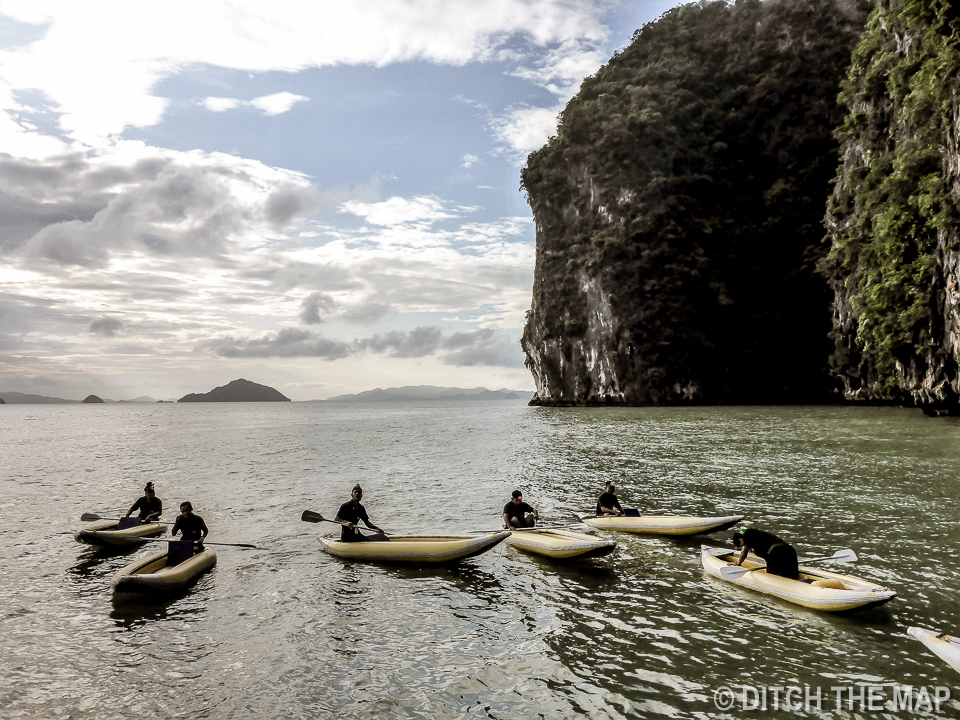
(287, 631)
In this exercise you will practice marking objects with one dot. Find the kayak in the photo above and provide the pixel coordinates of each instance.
(151, 574)
(414, 548)
(662, 524)
(106, 533)
(945, 647)
(560, 544)
(824, 590)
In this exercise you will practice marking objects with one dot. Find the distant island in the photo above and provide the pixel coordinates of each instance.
(430, 392)
(18, 398)
(238, 391)
(92, 399)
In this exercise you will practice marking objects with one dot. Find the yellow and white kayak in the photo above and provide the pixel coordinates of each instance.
(824, 590)
(662, 524)
(945, 647)
(151, 574)
(560, 544)
(106, 533)
(414, 548)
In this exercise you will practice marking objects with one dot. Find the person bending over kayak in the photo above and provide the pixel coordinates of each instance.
(780, 556)
(517, 514)
(192, 526)
(150, 506)
(350, 513)
(608, 503)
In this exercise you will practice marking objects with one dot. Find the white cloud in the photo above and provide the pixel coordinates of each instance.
(525, 129)
(399, 211)
(220, 104)
(278, 103)
(468, 160)
(119, 50)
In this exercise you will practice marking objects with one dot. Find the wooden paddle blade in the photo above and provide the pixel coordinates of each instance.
(845, 556)
(314, 517)
(90, 517)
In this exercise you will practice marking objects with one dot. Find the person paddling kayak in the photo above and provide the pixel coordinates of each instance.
(780, 556)
(192, 526)
(517, 514)
(150, 506)
(351, 513)
(608, 504)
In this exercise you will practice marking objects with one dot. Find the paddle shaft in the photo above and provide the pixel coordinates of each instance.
(315, 517)
(93, 517)
(202, 542)
(735, 571)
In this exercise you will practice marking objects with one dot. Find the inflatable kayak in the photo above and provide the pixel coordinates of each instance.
(154, 573)
(414, 548)
(945, 647)
(560, 544)
(662, 524)
(111, 532)
(823, 590)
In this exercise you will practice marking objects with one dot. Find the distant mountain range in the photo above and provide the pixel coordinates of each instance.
(242, 390)
(430, 392)
(17, 398)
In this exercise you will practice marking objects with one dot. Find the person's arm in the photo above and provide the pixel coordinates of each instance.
(366, 521)
(506, 521)
(743, 555)
(133, 507)
(341, 520)
(176, 525)
(203, 530)
(156, 513)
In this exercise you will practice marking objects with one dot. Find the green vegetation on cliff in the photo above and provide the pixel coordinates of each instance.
(893, 216)
(685, 188)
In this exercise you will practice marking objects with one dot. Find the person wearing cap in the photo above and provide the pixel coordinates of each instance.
(517, 514)
(780, 556)
(608, 504)
(351, 513)
(149, 505)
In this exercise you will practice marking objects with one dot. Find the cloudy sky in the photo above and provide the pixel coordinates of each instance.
(322, 197)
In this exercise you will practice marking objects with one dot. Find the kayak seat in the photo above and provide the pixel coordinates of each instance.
(831, 583)
(178, 551)
(128, 522)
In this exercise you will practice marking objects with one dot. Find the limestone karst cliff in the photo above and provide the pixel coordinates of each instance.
(894, 261)
(679, 211)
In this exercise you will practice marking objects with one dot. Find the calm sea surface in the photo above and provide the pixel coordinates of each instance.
(286, 631)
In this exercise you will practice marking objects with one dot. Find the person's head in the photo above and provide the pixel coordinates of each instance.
(738, 539)
(611, 488)
(516, 496)
(186, 507)
(148, 490)
(357, 492)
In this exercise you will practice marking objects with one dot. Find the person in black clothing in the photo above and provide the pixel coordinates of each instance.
(608, 504)
(352, 512)
(150, 506)
(517, 514)
(780, 556)
(192, 526)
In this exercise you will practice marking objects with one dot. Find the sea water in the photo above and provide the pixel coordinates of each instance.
(286, 631)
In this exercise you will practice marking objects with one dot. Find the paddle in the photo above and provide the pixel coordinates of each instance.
(243, 545)
(314, 517)
(91, 517)
(731, 572)
(533, 529)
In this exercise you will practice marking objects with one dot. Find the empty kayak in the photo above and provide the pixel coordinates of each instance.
(945, 647)
(662, 524)
(414, 548)
(561, 544)
(108, 533)
(153, 574)
(817, 589)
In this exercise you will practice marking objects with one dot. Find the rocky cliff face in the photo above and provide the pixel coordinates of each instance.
(678, 212)
(894, 215)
